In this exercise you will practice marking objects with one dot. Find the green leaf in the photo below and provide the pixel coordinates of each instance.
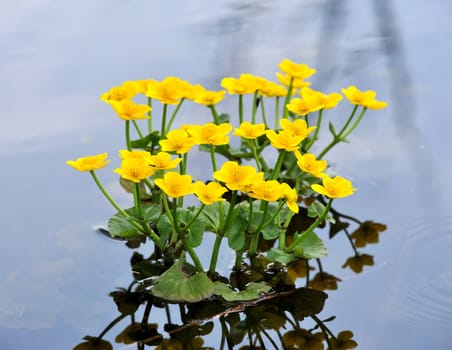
(146, 140)
(236, 232)
(316, 209)
(196, 229)
(151, 212)
(175, 285)
(165, 228)
(332, 130)
(279, 255)
(211, 214)
(253, 291)
(310, 246)
(120, 226)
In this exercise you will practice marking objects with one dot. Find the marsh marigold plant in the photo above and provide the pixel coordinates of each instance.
(263, 165)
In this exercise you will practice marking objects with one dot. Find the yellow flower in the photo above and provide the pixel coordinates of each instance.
(272, 89)
(296, 70)
(168, 91)
(209, 98)
(357, 262)
(175, 185)
(126, 91)
(296, 83)
(134, 169)
(291, 197)
(309, 164)
(284, 140)
(178, 141)
(250, 131)
(191, 92)
(269, 191)
(125, 154)
(363, 98)
(142, 85)
(245, 84)
(210, 133)
(129, 110)
(306, 105)
(297, 128)
(336, 187)
(162, 161)
(89, 163)
(328, 101)
(210, 193)
(235, 176)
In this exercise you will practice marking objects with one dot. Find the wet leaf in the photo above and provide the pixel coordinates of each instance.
(316, 209)
(239, 224)
(177, 286)
(310, 247)
(304, 302)
(279, 255)
(94, 343)
(120, 226)
(253, 291)
(211, 215)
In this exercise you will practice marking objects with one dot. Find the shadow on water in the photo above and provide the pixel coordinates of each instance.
(250, 315)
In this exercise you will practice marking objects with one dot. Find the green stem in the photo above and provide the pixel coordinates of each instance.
(215, 251)
(173, 116)
(340, 136)
(127, 129)
(254, 108)
(277, 111)
(136, 199)
(212, 157)
(225, 226)
(216, 118)
(195, 217)
(240, 108)
(192, 253)
(264, 116)
(107, 195)
(255, 239)
(287, 99)
(137, 128)
(252, 145)
(278, 165)
(163, 126)
(111, 325)
(355, 124)
(150, 115)
(311, 228)
(316, 131)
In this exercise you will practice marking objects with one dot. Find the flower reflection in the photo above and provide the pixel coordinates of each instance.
(357, 262)
(367, 233)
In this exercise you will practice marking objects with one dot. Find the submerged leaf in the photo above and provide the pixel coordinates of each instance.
(253, 291)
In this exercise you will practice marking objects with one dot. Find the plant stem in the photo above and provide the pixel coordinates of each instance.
(264, 116)
(111, 325)
(163, 126)
(277, 111)
(137, 128)
(312, 227)
(212, 157)
(254, 108)
(150, 115)
(316, 131)
(167, 128)
(107, 195)
(127, 129)
(240, 108)
(214, 114)
(278, 165)
(287, 98)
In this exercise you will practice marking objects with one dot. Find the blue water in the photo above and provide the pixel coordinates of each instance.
(56, 58)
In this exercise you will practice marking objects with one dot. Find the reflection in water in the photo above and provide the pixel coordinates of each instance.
(283, 317)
